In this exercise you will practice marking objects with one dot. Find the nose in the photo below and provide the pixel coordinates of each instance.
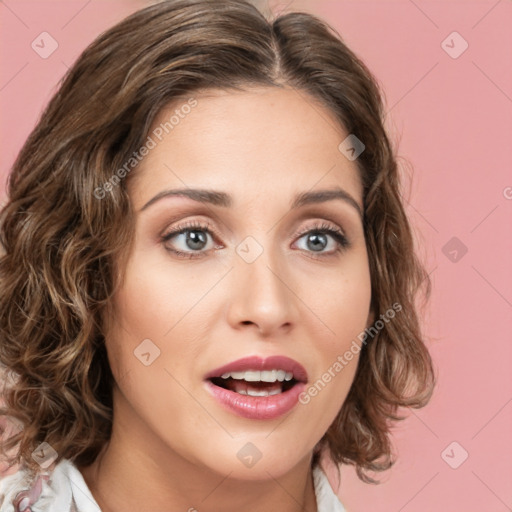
(262, 296)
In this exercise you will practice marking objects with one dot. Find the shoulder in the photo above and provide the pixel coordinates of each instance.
(326, 499)
(62, 489)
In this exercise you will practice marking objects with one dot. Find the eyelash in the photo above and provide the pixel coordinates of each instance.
(322, 228)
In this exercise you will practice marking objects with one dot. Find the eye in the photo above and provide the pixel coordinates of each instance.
(193, 237)
(317, 240)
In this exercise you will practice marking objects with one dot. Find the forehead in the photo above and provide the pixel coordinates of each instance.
(259, 139)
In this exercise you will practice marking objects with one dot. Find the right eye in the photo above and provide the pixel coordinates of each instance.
(192, 236)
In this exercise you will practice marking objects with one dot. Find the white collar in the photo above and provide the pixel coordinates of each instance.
(326, 499)
(68, 491)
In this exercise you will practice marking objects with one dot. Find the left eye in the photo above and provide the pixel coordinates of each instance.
(318, 241)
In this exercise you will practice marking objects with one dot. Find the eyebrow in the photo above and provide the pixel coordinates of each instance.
(224, 200)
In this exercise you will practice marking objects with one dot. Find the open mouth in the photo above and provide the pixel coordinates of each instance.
(258, 388)
(256, 383)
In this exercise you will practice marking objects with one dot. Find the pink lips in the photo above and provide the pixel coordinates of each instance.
(259, 407)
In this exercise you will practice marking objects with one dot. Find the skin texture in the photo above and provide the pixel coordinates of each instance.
(173, 446)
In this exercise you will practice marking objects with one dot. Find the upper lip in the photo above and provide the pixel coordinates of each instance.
(259, 363)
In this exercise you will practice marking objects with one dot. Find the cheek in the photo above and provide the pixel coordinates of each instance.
(150, 342)
(140, 317)
(343, 305)
(155, 296)
(342, 302)
(163, 304)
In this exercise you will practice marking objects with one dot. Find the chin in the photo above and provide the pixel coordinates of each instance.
(253, 458)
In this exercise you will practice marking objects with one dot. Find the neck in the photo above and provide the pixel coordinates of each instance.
(136, 471)
(123, 482)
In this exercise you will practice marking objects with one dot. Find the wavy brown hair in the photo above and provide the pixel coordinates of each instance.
(63, 246)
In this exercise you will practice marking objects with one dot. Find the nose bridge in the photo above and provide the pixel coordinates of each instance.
(261, 293)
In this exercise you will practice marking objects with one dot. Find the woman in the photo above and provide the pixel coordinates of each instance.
(209, 281)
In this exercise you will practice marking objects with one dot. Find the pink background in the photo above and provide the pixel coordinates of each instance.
(453, 117)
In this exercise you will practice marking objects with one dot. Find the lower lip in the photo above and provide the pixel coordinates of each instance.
(257, 407)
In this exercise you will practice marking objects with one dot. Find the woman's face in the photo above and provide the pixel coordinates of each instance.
(259, 278)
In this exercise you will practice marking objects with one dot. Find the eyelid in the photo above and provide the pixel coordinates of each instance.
(207, 226)
(319, 225)
(203, 225)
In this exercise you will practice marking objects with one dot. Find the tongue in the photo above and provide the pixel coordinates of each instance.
(238, 385)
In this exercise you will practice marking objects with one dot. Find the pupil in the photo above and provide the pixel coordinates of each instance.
(315, 239)
(196, 237)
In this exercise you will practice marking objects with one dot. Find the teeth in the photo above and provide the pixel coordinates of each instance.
(268, 376)
(256, 392)
(252, 376)
(260, 376)
(261, 392)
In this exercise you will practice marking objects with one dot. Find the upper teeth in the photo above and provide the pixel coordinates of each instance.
(264, 376)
